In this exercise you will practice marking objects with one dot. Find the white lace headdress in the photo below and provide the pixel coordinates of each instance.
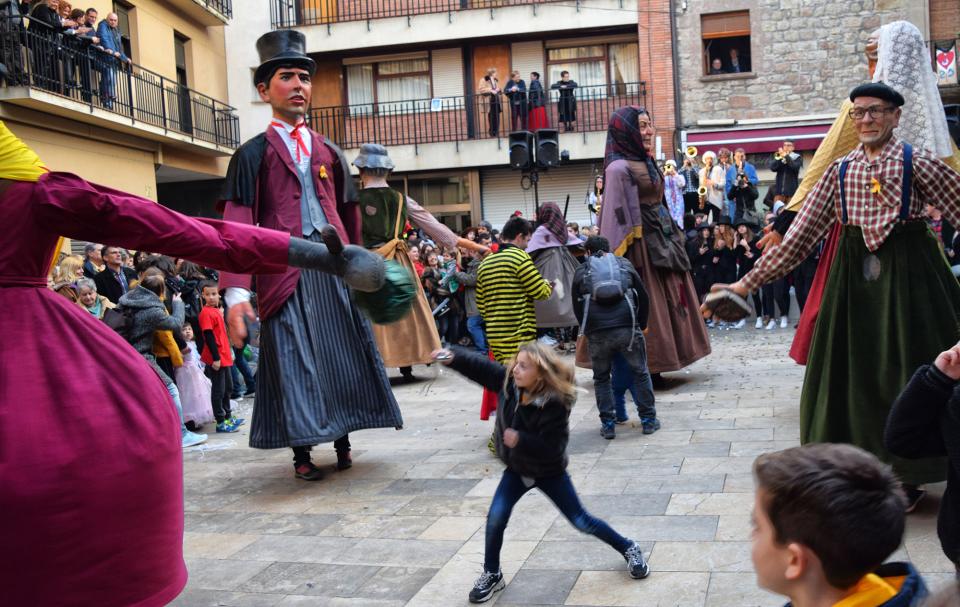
(903, 62)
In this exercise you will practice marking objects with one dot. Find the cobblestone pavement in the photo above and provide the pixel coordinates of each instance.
(404, 526)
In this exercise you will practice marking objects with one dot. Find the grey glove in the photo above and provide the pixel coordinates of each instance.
(361, 269)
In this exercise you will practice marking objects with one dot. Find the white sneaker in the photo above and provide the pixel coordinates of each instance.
(771, 325)
(548, 341)
(759, 322)
(784, 322)
(189, 439)
(741, 324)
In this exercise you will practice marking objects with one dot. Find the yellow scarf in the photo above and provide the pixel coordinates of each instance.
(872, 591)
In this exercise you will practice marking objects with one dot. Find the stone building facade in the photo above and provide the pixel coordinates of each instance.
(806, 55)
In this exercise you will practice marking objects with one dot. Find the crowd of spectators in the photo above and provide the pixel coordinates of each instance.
(68, 50)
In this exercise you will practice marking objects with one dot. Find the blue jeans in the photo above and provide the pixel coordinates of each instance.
(241, 365)
(621, 380)
(475, 328)
(175, 395)
(561, 492)
(732, 209)
(604, 345)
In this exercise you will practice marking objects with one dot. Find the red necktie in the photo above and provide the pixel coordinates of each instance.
(297, 137)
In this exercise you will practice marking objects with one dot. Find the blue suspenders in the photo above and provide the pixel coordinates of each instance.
(907, 185)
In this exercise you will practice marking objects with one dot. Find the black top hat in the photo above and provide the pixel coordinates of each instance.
(724, 221)
(282, 48)
(743, 221)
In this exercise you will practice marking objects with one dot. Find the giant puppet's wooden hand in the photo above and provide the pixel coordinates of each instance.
(726, 302)
(361, 269)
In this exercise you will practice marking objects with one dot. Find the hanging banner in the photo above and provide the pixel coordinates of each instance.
(945, 54)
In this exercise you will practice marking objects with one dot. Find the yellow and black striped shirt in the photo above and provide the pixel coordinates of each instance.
(507, 285)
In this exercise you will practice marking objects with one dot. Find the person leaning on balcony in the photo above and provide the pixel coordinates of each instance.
(488, 89)
(46, 26)
(567, 104)
(112, 44)
(516, 91)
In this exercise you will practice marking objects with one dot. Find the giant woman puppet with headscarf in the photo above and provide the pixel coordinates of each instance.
(91, 476)
(637, 222)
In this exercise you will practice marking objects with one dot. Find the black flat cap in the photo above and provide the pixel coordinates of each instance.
(880, 91)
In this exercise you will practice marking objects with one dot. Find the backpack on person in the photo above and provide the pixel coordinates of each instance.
(120, 320)
(609, 285)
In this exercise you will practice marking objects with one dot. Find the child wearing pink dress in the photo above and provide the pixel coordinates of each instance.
(193, 384)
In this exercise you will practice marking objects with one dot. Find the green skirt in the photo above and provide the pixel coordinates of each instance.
(882, 315)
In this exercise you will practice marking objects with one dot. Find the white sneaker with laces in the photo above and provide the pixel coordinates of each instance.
(771, 325)
(784, 321)
(741, 324)
(759, 322)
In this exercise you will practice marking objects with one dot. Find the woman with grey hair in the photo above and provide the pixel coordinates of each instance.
(90, 300)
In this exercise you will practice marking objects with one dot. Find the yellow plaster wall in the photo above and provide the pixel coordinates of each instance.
(116, 166)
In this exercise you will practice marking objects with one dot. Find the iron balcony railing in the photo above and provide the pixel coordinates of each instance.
(292, 13)
(447, 119)
(224, 7)
(66, 65)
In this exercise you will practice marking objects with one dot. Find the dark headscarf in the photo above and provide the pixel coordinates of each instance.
(624, 140)
(551, 217)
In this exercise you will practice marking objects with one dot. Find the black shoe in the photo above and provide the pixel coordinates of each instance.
(638, 567)
(608, 431)
(485, 586)
(344, 461)
(236, 396)
(406, 375)
(250, 392)
(914, 495)
(308, 472)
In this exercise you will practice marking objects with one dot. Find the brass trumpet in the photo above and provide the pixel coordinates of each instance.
(778, 156)
(702, 191)
(691, 151)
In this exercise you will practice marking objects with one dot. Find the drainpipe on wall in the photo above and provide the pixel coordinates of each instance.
(678, 120)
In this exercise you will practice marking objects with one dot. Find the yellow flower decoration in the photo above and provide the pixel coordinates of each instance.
(323, 172)
(874, 186)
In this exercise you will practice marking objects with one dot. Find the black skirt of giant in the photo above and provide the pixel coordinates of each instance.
(320, 374)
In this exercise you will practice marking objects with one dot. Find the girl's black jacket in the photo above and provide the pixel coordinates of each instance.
(541, 423)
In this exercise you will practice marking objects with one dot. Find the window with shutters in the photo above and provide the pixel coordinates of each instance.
(726, 43)
(392, 86)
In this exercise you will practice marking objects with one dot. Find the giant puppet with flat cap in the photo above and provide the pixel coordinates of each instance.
(404, 338)
(320, 374)
(91, 476)
(890, 303)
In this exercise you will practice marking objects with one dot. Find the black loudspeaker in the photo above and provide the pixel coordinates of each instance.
(521, 150)
(548, 148)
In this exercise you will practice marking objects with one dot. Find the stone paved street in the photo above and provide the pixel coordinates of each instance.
(404, 526)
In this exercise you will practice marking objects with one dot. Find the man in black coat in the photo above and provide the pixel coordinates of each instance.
(615, 327)
(925, 422)
(115, 278)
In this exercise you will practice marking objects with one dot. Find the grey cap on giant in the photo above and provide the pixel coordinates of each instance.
(373, 156)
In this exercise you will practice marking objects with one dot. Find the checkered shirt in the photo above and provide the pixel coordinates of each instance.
(875, 212)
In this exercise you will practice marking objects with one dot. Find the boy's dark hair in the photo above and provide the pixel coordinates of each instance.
(595, 244)
(207, 284)
(515, 226)
(154, 283)
(537, 74)
(564, 72)
(839, 501)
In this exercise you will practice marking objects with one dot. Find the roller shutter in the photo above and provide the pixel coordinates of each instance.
(501, 194)
(447, 65)
(526, 57)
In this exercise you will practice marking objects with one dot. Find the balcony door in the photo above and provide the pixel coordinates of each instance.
(184, 106)
(485, 57)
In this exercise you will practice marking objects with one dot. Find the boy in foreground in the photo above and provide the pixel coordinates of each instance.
(825, 519)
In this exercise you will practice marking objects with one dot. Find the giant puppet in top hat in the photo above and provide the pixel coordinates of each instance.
(282, 48)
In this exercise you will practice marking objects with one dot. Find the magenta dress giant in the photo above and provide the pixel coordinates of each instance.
(91, 473)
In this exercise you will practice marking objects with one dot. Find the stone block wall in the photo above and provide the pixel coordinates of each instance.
(806, 55)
